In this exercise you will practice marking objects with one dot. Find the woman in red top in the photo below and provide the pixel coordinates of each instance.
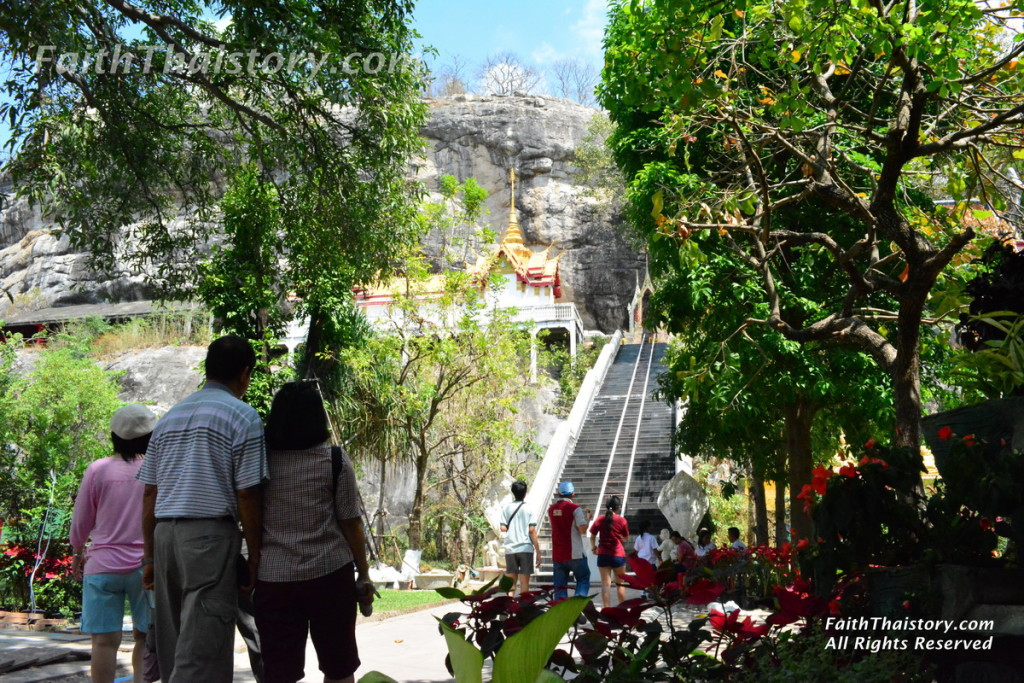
(606, 536)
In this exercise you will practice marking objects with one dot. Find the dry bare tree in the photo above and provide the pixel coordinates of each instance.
(504, 73)
(451, 78)
(574, 79)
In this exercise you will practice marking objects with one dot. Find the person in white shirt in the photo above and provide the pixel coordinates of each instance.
(704, 543)
(734, 539)
(646, 545)
(522, 548)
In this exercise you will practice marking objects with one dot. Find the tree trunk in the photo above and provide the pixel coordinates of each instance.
(781, 528)
(317, 364)
(416, 514)
(314, 341)
(380, 502)
(760, 510)
(906, 377)
(799, 417)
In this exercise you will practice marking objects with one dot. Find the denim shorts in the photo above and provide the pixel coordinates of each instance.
(610, 561)
(103, 597)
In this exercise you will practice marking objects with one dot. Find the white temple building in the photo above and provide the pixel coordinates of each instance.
(511, 275)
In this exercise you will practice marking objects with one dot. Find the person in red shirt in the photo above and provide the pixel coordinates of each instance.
(568, 527)
(606, 536)
(686, 554)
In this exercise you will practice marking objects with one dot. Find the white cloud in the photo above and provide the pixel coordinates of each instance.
(546, 54)
(589, 29)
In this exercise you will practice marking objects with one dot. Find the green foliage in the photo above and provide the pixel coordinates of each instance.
(996, 369)
(438, 385)
(597, 172)
(980, 481)
(569, 371)
(58, 421)
(151, 146)
(787, 155)
(523, 655)
(723, 510)
(54, 421)
(446, 400)
(807, 656)
(241, 283)
(453, 223)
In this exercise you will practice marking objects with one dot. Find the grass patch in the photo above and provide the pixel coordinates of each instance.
(177, 328)
(405, 601)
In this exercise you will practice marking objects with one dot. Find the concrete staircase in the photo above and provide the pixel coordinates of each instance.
(649, 426)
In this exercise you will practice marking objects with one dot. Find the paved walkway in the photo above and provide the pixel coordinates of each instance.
(409, 648)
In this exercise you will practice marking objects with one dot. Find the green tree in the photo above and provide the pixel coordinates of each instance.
(243, 284)
(814, 130)
(127, 149)
(751, 394)
(437, 383)
(453, 223)
(451, 395)
(59, 422)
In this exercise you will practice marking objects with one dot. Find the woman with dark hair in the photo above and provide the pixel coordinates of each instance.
(606, 536)
(108, 512)
(313, 544)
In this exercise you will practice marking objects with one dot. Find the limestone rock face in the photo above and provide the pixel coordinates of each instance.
(158, 377)
(683, 502)
(483, 137)
(467, 136)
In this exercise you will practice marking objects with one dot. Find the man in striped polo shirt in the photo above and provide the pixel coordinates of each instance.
(203, 470)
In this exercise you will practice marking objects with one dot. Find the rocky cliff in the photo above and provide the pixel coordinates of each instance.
(468, 136)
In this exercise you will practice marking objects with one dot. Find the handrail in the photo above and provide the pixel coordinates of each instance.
(565, 437)
(636, 434)
(622, 419)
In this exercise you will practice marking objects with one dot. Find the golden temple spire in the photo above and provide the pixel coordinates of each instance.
(512, 234)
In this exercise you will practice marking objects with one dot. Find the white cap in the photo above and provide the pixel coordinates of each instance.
(132, 421)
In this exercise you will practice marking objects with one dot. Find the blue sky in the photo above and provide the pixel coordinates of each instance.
(539, 31)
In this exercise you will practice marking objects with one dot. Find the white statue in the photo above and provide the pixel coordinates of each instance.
(494, 553)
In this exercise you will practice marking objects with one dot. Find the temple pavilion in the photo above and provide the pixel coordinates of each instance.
(513, 275)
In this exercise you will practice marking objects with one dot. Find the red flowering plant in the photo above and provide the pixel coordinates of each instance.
(980, 497)
(642, 638)
(770, 568)
(35, 565)
(17, 562)
(864, 514)
(636, 640)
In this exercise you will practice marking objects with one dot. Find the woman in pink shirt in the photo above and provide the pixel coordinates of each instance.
(606, 536)
(108, 511)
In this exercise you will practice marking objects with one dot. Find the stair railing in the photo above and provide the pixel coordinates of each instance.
(622, 419)
(636, 433)
(564, 440)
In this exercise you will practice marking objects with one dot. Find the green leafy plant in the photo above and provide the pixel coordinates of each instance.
(995, 369)
(984, 487)
(805, 655)
(570, 371)
(858, 511)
